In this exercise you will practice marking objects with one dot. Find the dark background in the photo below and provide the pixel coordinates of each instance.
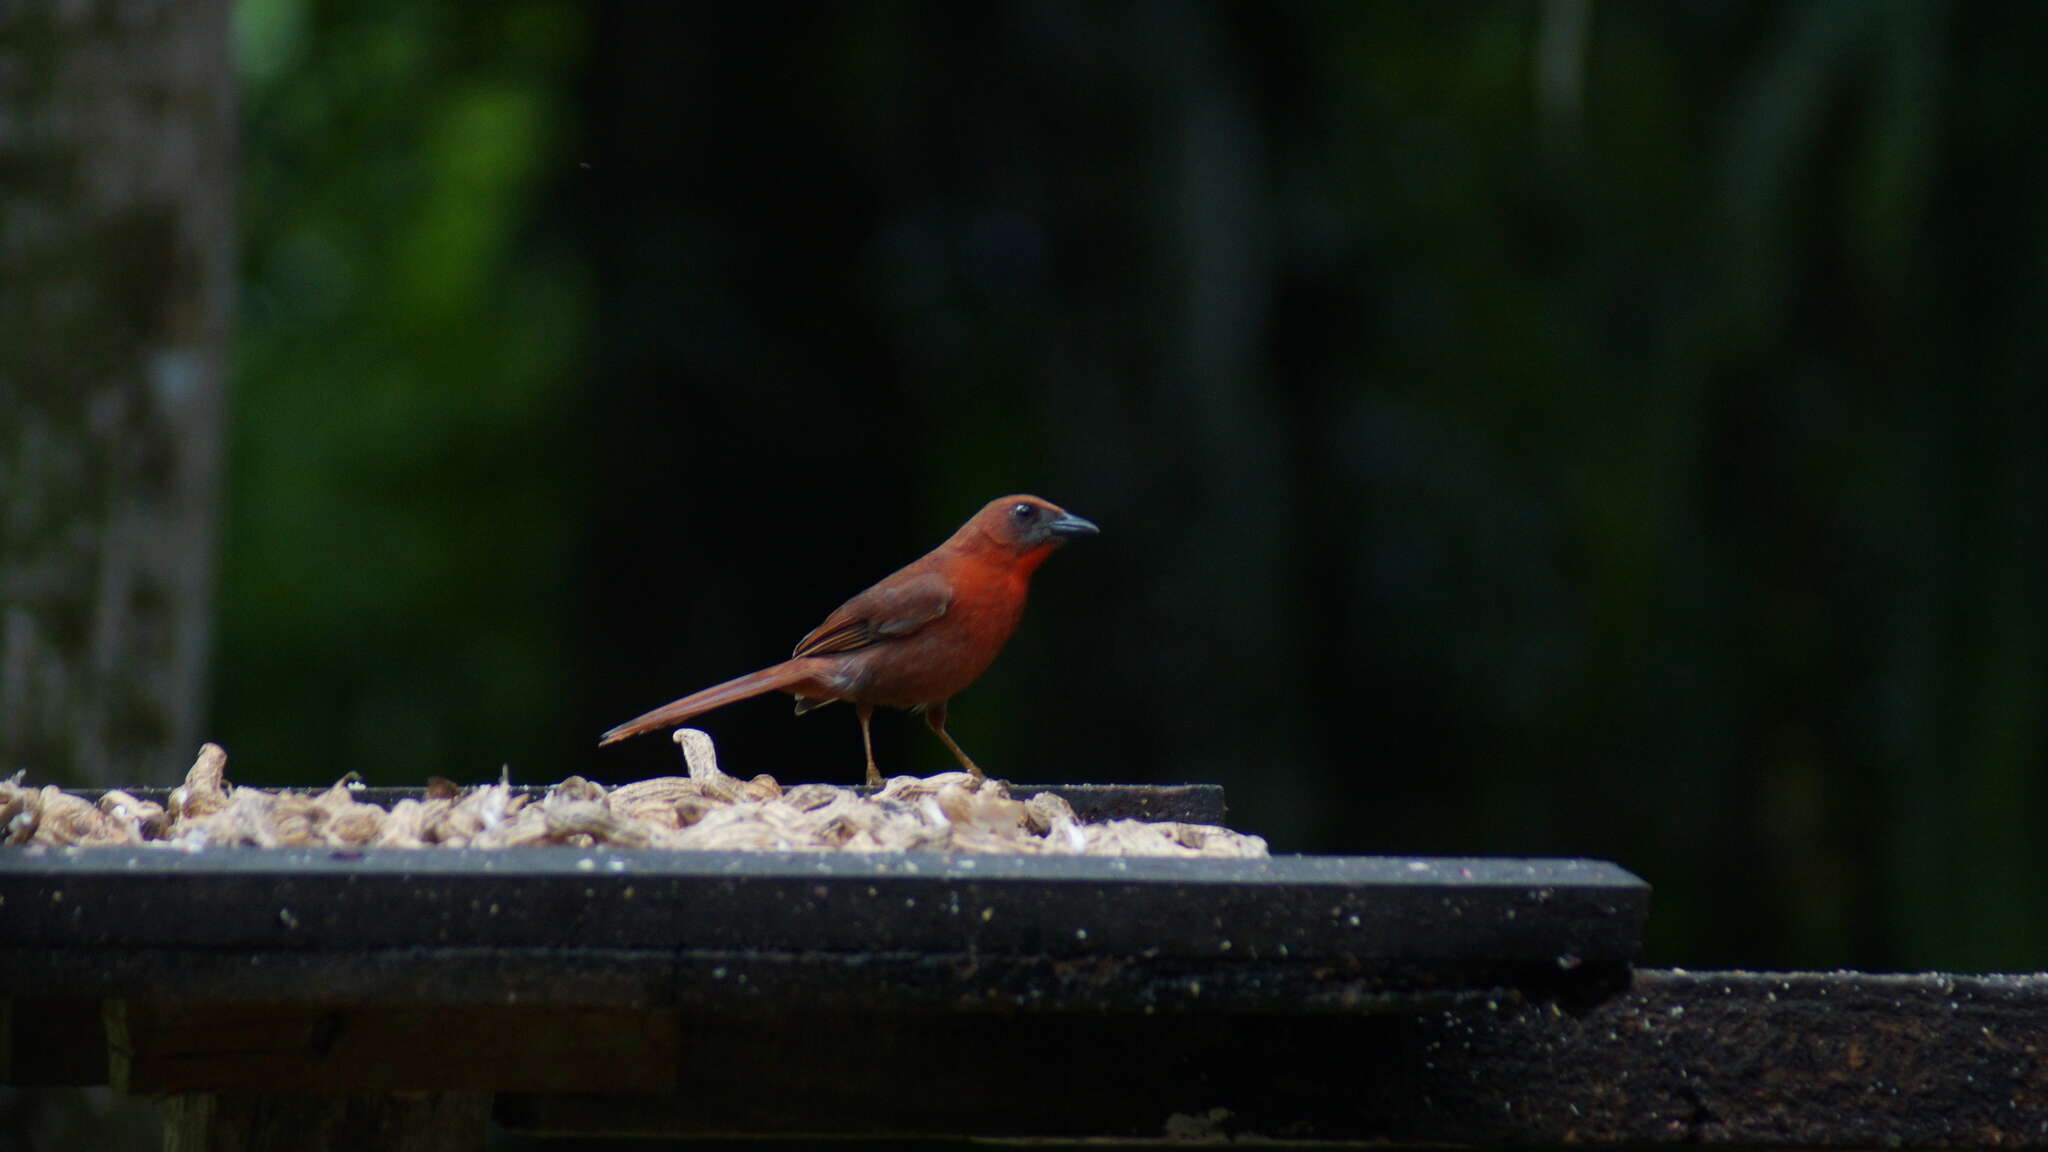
(1518, 428)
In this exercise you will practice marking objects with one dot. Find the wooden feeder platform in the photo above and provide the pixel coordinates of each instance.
(405, 998)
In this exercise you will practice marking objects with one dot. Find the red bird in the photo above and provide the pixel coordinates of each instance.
(914, 639)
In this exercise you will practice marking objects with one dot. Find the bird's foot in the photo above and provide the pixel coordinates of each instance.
(874, 775)
(936, 718)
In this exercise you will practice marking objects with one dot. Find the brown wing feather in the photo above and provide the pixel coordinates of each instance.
(889, 609)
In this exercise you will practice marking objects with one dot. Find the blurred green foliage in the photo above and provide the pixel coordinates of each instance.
(402, 508)
(1517, 428)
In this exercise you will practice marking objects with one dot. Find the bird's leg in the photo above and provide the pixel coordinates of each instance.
(935, 718)
(867, 745)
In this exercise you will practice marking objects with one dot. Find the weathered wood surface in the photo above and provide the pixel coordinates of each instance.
(785, 933)
(1841, 1060)
(1320, 1001)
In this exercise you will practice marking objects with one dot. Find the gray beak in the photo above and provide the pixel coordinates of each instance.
(1072, 527)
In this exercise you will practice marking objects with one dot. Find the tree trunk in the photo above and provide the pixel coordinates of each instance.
(116, 268)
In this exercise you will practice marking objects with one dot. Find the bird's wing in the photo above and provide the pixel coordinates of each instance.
(891, 608)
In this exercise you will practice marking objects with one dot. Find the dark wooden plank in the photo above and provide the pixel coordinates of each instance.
(571, 978)
(755, 984)
(326, 1122)
(186, 1047)
(1188, 803)
(1735, 1059)
(1313, 932)
(1840, 1060)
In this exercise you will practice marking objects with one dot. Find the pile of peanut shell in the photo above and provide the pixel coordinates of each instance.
(706, 810)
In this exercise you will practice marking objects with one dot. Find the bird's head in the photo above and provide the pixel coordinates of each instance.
(1026, 526)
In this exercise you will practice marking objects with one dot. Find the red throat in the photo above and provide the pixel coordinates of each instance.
(1026, 563)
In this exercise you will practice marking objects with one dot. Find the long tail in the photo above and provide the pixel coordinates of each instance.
(784, 675)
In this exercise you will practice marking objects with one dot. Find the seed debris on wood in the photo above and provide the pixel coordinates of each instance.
(706, 810)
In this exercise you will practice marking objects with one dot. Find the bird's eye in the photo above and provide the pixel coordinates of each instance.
(1023, 513)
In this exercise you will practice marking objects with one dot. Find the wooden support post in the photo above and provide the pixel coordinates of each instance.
(310, 1122)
